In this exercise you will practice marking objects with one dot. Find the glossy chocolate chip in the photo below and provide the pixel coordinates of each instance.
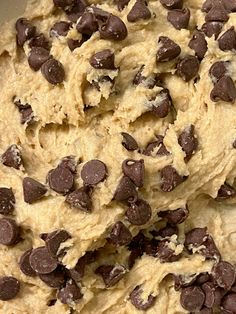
(198, 44)
(93, 172)
(55, 279)
(179, 18)
(129, 142)
(224, 275)
(7, 201)
(156, 148)
(192, 298)
(120, 234)
(229, 303)
(24, 264)
(170, 178)
(168, 50)
(41, 261)
(70, 294)
(111, 274)
(103, 60)
(121, 4)
(9, 231)
(61, 180)
(39, 41)
(63, 3)
(224, 90)
(24, 31)
(218, 70)
(12, 157)
(187, 68)
(195, 237)
(54, 240)
(87, 24)
(172, 4)
(80, 199)
(113, 29)
(176, 216)
(161, 104)
(135, 170)
(126, 190)
(226, 191)
(139, 11)
(227, 41)
(217, 13)
(9, 288)
(60, 29)
(139, 213)
(212, 28)
(76, 10)
(33, 190)
(138, 302)
(188, 141)
(53, 71)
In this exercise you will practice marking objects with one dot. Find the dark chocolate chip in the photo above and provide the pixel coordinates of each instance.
(55, 279)
(224, 275)
(165, 253)
(54, 240)
(168, 50)
(60, 29)
(73, 44)
(27, 115)
(41, 261)
(9, 288)
(138, 302)
(113, 29)
(192, 298)
(188, 141)
(87, 24)
(234, 144)
(188, 67)
(9, 231)
(170, 178)
(129, 142)
(120, 234)
(209, 249)
(179, 18)
(198, 44)
(167, 231)
(229, 303)
(139, 11)
(230, 5)
(100, 14)
(93, 172)
(75, 11)
(202, 278)
(103, 60)
(226, 191)
(39, 41)
(161, 104)
(77, 272)
(156, 147)
(126, 190)
(176, 216)
(111, 274)
(183, 281)
(24, 264)
(195, 237)
(209, 290)
(134, 255)
(69, 294)
(212, 28)
(139, 213)
(61, 180)
(224, 90)
(12, 157)
(135, 170)
(227, 41)
(53, 71)
(172, 4)
(33, 190)
(24, 31)
(63, 3)
(80, 199)
(218, 70)
(217, 13)
(121, 4)
(69, 162)
(7, 201)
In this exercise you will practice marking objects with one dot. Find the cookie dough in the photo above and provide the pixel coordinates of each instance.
(118, 157)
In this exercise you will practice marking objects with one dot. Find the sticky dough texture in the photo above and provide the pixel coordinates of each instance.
(63, 128)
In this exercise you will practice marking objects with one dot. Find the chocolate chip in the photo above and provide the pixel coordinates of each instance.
(217, 13)
(135, 170)
(224, 275)
(63, 3)
(60, 29)
(77, 272)
(53, 71)
(80, 199)
(165, 253)
(24, 31)
(168, 50)
(61, 180)
(27, 115)
(188, 141)
(207, 5)
(138, 302)
(103, 60)
(139, 213)
(183, 281)
(156, 147)
(75, 11)
(172, 4)
(120, 234)
(134, 255)
(198, 44)
(209, 249)
(54, 240)
(129, 142)
(202, 278)
(39, 41)
(9, 231)
(179, 18)
(73, 44)
(139, 11)
(100, 14)
(24, 264)
(69, 294)
(161, 104)
(212, 28)
(224, 90)
(192, 298)
(126, 190)
(111, 274)
(7, 201)
(229, 303)
(227, 41)
(187, 68)
(113, 29)
(121, 4)
(70, 163)
(9, 288)
(12, 157)
(218, 70)
(55, 279)
(87, 24)
(170, 178)
(230, 5)
(176, 216)
(167, 231)
(41, 261)
(195, 237)
(226, 191)
(33, 190)
(93, 172)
